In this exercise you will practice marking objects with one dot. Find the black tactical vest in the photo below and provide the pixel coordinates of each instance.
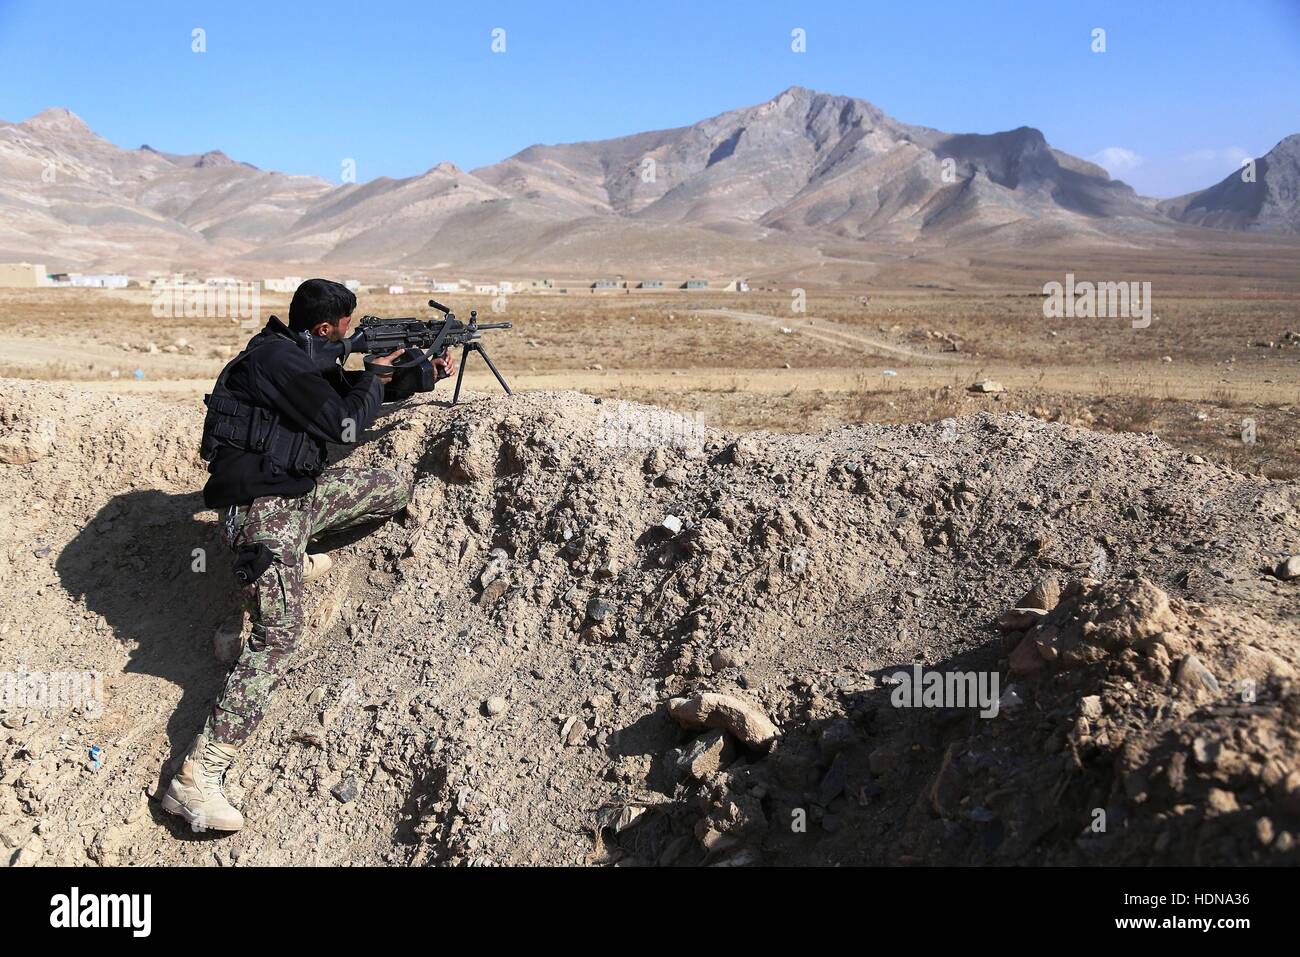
(252, 428)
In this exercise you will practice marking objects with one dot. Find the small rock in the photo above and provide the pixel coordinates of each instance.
(345, 791)
(672, 523)
(496, 705)
(987, 386)
(725, 658)
(493, 592)
(1020, 619)
(1288, 569)
(838, 736)
(707, 755)
(1045, 594)
(1221, 801)
(1206, 752)
(598, 610)
(310, 736)
(1090, 707)
(574, 731)
(1194, 675)
(1025, 659)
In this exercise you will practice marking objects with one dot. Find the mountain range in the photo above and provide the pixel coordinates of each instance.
(800, 177)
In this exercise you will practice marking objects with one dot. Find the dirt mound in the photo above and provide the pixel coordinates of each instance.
(605, 634)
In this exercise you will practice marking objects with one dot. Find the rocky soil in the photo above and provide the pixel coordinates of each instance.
(603, 635)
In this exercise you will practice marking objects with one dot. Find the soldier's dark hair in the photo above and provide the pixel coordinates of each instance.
(320, 300)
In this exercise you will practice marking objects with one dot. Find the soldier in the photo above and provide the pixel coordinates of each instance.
(269, 417)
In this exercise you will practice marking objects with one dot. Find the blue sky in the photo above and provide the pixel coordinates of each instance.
(1183, 90)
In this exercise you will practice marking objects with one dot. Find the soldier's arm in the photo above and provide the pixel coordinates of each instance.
(306, 397)
(348, 378)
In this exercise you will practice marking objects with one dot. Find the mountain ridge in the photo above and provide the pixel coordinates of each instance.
(741, 189)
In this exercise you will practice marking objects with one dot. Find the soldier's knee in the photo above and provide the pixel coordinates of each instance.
(398, 489)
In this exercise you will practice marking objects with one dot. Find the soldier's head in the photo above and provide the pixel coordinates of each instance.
(323, 308)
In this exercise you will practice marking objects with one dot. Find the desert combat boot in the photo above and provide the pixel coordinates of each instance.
(195, 792)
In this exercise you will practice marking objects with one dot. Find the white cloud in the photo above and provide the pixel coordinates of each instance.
(1226, 158)
(1117, 160)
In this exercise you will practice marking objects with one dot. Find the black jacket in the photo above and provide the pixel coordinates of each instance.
(279, 377)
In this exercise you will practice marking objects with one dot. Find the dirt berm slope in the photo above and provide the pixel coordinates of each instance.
(603, 635)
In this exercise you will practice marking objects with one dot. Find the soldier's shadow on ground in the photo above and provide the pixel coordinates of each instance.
(162, 580)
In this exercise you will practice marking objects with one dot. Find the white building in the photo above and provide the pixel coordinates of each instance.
(396, 290)
(286, 284)
(98, 280)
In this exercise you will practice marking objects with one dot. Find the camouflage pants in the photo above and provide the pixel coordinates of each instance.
(343, 497)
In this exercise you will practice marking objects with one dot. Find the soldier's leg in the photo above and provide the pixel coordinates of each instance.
(274, 601)
(346, 497)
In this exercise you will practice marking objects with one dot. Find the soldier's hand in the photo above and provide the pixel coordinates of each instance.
(445, 365)
(386, 377)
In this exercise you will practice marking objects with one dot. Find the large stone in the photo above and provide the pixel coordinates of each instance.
(710, 711)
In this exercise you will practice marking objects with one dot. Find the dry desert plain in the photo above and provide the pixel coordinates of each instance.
(1223, 346)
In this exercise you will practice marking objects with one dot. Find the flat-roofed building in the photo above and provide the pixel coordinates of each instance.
(23, 275)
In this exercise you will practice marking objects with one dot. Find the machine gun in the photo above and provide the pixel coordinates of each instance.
(423, 340)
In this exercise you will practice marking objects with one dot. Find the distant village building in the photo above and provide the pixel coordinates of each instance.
(696, 284)
(23, 275)
(737, 285)
(94, 280)
(286, 284)
(353, 284)
(604, 284)
(396, 290)
(222, 281)
(652, 284)
(486, 289)
(446, 287)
